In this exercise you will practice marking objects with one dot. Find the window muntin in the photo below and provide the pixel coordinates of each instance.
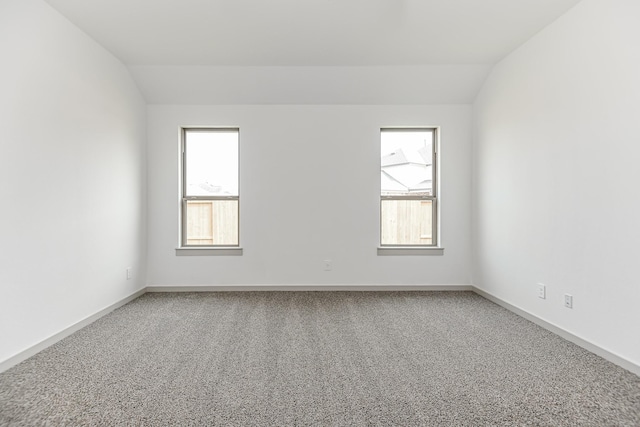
(408, 203)
(210, 196)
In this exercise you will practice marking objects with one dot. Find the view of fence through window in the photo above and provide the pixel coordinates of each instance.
(210, 187)
(407, 196)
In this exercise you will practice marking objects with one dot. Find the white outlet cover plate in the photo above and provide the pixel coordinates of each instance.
(568, 301)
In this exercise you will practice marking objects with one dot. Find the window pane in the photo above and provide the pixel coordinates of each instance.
(212, 222)
(406, 162)
(406, 222)
(211, 163)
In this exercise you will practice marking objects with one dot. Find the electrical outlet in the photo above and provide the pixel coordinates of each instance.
(129, 272)
(327, 265)
(568, 301)
(542, 291)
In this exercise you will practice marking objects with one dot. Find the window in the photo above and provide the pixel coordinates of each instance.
(210, 197)
(408, 199)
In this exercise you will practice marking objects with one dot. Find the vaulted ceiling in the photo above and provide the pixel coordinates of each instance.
(173, 42)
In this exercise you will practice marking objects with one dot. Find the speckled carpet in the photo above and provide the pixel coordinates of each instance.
(317, 358)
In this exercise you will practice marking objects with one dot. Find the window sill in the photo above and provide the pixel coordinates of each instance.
(209, 251)
(409, 251)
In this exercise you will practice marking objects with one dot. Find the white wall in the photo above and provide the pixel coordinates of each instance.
(381, 85)
(297, 164)
(556, 175)
(72, 173)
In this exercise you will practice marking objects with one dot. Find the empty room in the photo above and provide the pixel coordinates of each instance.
(320, 212)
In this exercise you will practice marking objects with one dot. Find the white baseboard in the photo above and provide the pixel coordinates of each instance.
(226, 288)
(587, 345)
(25, 354)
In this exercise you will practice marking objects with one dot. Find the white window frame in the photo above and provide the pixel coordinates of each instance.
(183, 247)
(416, 249)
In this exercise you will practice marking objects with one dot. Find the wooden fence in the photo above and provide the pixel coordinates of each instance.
(406, 222)
(212, 222)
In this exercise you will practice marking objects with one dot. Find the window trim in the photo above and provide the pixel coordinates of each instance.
(184, 248)
(416, 249)
(409, 250)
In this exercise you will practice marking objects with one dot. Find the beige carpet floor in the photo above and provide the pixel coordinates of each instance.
(317, 358)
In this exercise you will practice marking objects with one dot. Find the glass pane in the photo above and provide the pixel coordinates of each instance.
(406, 222)
(406, 162)
(211, 163)
(212, 222)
